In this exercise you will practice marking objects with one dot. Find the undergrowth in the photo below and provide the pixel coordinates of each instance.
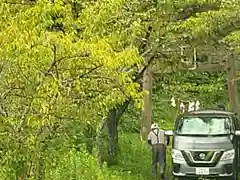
(134, 163)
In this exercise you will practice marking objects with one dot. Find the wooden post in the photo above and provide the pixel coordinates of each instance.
(147, 111)
(232, 83)
(233, 98)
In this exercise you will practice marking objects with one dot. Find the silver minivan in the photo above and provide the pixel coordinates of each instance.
(205, 145)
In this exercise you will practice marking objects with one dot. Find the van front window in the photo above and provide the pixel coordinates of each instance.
(203, 126)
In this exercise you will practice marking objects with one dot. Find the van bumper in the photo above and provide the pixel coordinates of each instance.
(222, 169)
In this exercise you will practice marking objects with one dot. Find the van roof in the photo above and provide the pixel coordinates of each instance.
(210, 111)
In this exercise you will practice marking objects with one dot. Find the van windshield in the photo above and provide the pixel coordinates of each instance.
(204, 126)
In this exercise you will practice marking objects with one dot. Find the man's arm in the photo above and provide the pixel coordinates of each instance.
(149, 139)
(150, 142)
(168, 140)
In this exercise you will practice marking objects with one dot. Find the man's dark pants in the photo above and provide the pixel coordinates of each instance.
(158, 156)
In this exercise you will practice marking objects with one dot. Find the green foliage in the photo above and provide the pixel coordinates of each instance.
(209, 88)
(80, 165)
(64, 64)
(55, 80)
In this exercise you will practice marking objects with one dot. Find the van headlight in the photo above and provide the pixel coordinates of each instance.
(228, 155)
(176, 154)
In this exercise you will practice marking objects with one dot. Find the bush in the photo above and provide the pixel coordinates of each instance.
(134, 163)
(77, 165)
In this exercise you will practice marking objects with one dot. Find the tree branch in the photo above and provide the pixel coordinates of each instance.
(30, 3)
(98, 77)
(4, 110)
(122, 108)
(192, 10)
(55, 61)
(140, 74)
(90, 71)
(84, 75)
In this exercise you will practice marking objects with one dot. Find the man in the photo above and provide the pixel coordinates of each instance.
(158, 141)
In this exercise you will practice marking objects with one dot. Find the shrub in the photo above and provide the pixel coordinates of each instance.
(77, 165)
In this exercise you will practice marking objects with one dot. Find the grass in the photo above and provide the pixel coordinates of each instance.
(134, 163)
(136, 158)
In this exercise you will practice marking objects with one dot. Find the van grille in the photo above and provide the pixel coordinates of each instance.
(202, 158)
(202, 155)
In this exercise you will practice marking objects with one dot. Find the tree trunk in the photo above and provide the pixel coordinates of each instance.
(233, 98)
(112, 137)
(147, 111)
(111, 124)
(186, 106)
(232, 85)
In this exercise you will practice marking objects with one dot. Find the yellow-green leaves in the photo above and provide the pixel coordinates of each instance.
(212, 23)
(95, 19)
(60, 66)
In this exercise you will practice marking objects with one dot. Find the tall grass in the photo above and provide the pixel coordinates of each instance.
(134, 163)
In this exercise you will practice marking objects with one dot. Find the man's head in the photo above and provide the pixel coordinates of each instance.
(154, 126)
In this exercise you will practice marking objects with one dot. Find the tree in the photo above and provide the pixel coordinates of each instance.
(66, 63)
(56, 69)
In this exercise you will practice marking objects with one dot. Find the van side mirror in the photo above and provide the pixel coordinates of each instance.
(169, 132)
(237, 133)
